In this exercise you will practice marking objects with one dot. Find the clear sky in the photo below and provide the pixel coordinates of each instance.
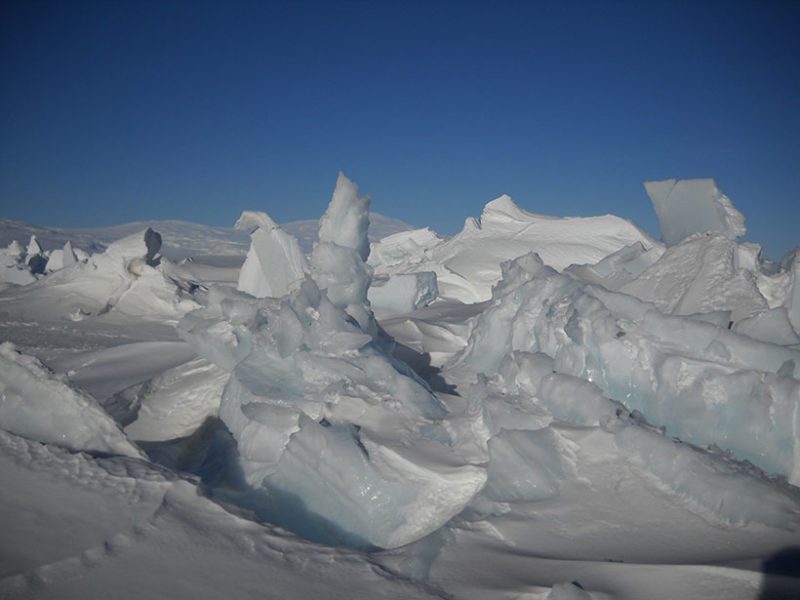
(117, 111)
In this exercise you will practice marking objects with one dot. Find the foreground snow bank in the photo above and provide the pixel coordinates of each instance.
(37, 405)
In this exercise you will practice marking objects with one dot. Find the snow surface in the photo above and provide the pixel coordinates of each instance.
(539, 407)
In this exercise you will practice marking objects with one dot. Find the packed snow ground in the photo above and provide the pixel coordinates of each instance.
(538, 407)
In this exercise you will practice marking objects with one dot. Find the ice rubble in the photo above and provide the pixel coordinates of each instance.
(347, 443)
(321, 413)
(700, 274)
(126, 279)
(688, 206)
(633, 384)
(20, 266)
(704, 384)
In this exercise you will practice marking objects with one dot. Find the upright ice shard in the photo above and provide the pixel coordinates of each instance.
(274, 263)
(687, 206)
(338, 261)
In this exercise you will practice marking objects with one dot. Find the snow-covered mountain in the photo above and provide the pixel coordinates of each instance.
(539, 408)
(181, 238)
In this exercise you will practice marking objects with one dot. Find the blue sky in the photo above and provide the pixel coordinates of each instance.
(117, 111)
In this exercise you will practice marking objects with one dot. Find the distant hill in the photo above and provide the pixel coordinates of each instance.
(180, 238)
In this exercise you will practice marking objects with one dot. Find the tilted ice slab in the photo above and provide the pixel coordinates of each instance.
(403, 292)
(702, 273)
(468, 265)
(703, 383)
(687, 206)
(274, 261)
(619, 268)
(37, 405)
(396, 287)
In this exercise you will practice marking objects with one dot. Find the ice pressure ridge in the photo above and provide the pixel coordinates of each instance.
(326, 419)
(374, 394)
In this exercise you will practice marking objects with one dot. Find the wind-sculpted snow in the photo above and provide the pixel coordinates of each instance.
(126, 279)
(36, 405)
(468, 265)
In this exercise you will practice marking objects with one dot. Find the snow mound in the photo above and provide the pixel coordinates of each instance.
(468, 265)
(37, 405)
(688, 206)
(127, 278)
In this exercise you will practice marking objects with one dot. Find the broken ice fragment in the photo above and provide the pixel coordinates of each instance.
(687, 206)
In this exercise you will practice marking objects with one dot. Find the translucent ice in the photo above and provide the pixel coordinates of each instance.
(687, 206)
(403, 292)
(274, 262)
(679, 372)
(336, 432)
(338, 261)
